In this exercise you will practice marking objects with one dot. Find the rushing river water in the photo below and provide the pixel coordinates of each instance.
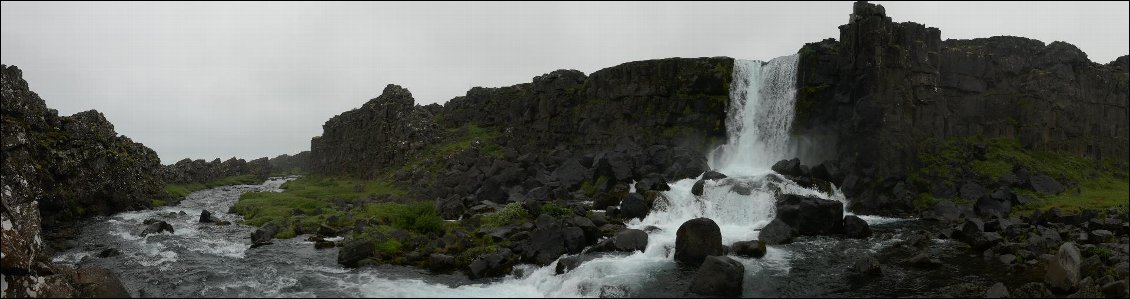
(206, 260)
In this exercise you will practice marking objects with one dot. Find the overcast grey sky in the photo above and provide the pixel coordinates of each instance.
(254, 79)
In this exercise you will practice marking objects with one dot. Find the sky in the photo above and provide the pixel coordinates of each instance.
(255, 79)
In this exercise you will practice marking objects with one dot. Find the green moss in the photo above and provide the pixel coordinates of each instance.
(469, 255)
(259, 208)
(924, 201)
(555, 210)
(467, 137)
(388, 247)
(992, 169)
(512, 213)
(157, 203)
(420, 217)
(1094, 194)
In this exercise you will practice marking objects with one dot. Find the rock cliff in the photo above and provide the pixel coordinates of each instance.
(58, 169)
(886, 92)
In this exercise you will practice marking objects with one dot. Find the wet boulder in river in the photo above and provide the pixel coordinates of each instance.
(263, 235)
(156, 227)
(696, 239)
(719, 276)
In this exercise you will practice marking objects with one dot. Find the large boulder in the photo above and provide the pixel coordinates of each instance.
(354, 251)
(550, 239)
(719, 276)
(99, 282)
(263, 235)
(495, 264)
(441, 263)
(634, 206)
(696, 239)
(628, 240)
(856, 228)
(755, 248)
(788, 167)
(1064, 270)
(988, 207)
(1045, 184)
(811, 215)
(777, 232)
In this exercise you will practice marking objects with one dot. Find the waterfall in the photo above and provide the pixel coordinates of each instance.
(762, 102)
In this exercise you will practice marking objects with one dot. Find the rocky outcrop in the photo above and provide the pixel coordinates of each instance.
(58, 169)
(199, 171)
(564, 136)
(886, 91)
(387, 130)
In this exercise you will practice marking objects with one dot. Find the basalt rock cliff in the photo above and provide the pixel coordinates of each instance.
(886, 92)
(58, 169)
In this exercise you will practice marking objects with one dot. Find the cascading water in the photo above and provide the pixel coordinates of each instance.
(760, 117)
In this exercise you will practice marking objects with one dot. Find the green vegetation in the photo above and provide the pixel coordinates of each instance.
(1094, 194)
(309, 202)
(182, 190)
(469, 136)
(1100, 183)
(512, 213)
(555, 210)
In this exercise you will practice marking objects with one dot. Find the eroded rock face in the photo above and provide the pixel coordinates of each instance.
(887, 91)
(386, 130)
(57, 169)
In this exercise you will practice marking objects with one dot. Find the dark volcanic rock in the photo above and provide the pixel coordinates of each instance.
(157, 227)
(788, 167)
(811, 215)
(755, 248)
(987, 207)
(628, 240)
(719, 276)
(264, 234)
(856, 228)
(889, 91)
(696, 239)
(441, 263)
(353, 252)
(634, 206)
(496, 264)
(1063, 272)
(386, 130)
(698, 187)
(777, 232)
(713, 175)
(1046, 184)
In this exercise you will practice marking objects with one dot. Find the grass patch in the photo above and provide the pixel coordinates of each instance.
(467, 137)
(1094, 194)
(555, 210)
(157, 203)
(328, 188)
(512, 213)
(308, 202)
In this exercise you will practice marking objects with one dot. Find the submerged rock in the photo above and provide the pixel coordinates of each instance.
(867, 264)
(755, 248)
